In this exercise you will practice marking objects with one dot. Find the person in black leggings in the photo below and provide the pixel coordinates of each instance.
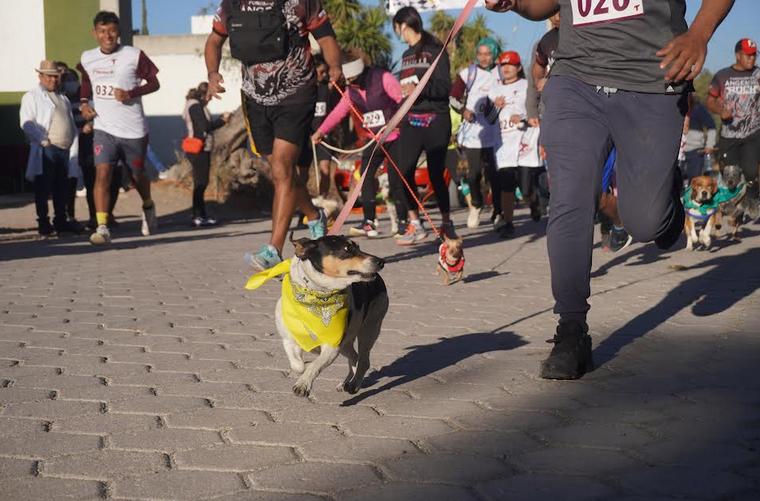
(199, 124)
(427, 126)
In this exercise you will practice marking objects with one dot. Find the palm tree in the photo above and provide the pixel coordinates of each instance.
(361, 27)
(144, 14)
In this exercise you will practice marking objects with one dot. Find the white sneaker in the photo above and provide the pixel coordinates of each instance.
(473, 218)
(81, 193)
(149, 221)
(101, 236)
(498, 222)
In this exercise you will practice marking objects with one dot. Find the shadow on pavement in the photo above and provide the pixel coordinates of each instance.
(424, 360)
(726, 281)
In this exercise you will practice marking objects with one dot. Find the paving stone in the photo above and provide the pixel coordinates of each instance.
(49, 409)
(164, 440)
(356, 449)
(398, 427)
(403, 490)
(598, 435)
(105, 424)
(158, 404)
(239, 458)
(456, 469)
(283, 433)
(217, 418)
(177, 485)
(107, 464)
(668, 480)
(542, 486)
(487, 443)
(48, 445)
(10, 427)
(586, 461)
(44, 487)
(16, 468)
(316, 478)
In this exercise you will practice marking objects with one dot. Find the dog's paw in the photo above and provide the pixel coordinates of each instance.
(302, 389)
(297, 368)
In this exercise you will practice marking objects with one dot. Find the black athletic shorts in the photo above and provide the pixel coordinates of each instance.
(290, 122)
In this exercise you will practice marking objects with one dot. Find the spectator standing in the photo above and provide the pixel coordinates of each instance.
(48, 123)
(280, 92)
(735, 95)
(200, 125)
(113, 76)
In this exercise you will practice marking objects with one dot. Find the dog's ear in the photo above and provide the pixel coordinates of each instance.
(303, 246)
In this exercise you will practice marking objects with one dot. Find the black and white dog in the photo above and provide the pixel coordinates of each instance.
(332, 279)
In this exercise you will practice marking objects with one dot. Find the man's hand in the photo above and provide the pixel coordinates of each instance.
(215, 87)
(468, 116)
(499, 102)
(87, 128)
(226, 116)
(87, 112)
(120, 95)
(515, 119)
(45, 143)
(684, 56)
(499, 5)
(336, 74)
(316, 138)
(726, 115)
(534, 122)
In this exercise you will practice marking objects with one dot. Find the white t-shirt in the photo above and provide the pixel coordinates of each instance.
(125, 68)
(479, 133)
(510, 137)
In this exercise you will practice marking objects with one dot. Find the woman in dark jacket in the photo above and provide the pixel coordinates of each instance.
(200, 125)
(427, 127)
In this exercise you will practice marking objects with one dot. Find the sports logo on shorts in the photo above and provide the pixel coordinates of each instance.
(97, 149)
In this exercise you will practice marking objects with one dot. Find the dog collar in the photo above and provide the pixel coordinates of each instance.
(312, 317)
(454, 267)
(699, 210)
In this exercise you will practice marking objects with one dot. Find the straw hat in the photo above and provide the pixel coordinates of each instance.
(48, 67)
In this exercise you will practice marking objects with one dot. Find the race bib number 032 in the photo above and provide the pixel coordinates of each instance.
(605, 11)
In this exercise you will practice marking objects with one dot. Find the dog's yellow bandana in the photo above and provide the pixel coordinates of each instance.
(313, 318)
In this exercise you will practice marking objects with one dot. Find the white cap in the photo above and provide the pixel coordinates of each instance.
(353, 69)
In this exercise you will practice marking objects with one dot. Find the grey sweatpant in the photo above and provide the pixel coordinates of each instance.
(579, 126)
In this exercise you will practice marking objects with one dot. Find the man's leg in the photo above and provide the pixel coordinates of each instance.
(60, 186)
(576, 140)
(42, 187)
(646, 130)
(103, 173)
(749, 157)
(286, 194)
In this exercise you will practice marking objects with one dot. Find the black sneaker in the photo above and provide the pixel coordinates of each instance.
(675, 226)
(619, 239)
(44, 228)
(571, 356)
(507, 230)
(535, 211)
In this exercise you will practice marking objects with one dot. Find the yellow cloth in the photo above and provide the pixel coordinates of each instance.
(313, 318)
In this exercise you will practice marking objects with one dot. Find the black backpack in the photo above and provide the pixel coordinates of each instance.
(257, 37)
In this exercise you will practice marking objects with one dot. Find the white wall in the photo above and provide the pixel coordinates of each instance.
(201, 25)
(23, 38)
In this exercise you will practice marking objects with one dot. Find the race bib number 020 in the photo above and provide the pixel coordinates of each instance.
(605, 11)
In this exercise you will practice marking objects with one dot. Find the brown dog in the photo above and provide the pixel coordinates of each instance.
(700, 211)
(451, 260)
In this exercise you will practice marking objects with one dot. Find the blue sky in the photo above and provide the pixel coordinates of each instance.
(173, 17)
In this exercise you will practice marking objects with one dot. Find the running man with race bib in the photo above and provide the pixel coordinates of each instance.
(112, 77)
(621, 76)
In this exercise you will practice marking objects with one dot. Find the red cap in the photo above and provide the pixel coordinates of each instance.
(509, 57)
(746, 46)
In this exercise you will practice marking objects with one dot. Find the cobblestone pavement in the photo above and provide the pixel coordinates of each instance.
(145, 371)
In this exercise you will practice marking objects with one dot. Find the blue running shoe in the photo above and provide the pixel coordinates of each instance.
(267, 257)
(318, 227)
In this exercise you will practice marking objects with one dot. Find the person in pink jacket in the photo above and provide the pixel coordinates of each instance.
(376, 94)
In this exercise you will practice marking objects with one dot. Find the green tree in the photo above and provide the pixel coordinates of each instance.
(361, 27)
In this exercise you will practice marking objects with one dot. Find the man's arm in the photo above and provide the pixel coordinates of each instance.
(331, 54)
(535, 10)
(35, 133)
(213, 55)
(684, 56)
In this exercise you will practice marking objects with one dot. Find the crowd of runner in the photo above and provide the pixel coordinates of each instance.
(585, 128)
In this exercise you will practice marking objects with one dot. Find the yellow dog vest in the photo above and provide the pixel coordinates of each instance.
(313, 318)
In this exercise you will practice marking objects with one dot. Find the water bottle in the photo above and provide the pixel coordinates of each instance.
(707, 168)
